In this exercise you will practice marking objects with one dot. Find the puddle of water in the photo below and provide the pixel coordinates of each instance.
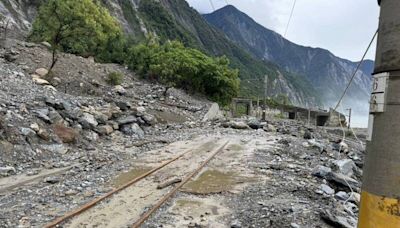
(195, 206)
(130, 175)
(212, 181)
(235, 147)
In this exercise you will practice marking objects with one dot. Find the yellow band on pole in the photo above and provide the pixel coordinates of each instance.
(379, 212)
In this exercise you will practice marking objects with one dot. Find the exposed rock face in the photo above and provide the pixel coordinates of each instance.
(329, 74)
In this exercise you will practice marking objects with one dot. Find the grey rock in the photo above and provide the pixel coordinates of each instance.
(254, 124)
(43, 114)
(307, 135)
(126, 120)
(326, 189)
(316, 144)
(321, 171)
(55, 117)
(343, 180)
(27, 131)
(6, 171)
(341, 195)
(123, 105)
(104, 129)
(133, 130)
(294, 225)
(236, 224)
(344, 166)
(88, 121)
(52, 180)
(149, 119)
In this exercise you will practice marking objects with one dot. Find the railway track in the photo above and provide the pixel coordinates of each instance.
(141, 192)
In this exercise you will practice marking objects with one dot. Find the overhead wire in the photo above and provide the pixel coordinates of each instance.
(212, 5)
(290, 18)
(356, 70)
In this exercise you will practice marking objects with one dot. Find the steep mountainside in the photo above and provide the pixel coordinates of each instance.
(175, 19)
(327, 73)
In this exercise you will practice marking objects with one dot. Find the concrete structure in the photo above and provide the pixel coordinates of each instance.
(246, 103)
(315, 117)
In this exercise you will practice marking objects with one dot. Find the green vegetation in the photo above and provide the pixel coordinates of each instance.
(177, 66)
(166, 28)
(80, 27)
(115, 78)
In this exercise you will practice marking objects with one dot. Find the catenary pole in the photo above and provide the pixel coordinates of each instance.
(380, 197)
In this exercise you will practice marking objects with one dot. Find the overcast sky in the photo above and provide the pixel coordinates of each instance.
(344, 27)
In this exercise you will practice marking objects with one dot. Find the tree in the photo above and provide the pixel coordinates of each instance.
(174, 65)
(76, 26)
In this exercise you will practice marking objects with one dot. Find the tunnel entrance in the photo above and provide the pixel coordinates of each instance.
(321, 120)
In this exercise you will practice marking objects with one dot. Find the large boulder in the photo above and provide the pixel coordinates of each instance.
(213, 113)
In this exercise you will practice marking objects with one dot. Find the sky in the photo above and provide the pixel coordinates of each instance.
(345, 27)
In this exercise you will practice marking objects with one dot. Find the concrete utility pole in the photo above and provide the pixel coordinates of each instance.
(264, 117)
(380, 199)
(349, 118)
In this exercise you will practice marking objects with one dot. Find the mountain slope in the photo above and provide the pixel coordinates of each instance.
(327, 73)
(175, 19)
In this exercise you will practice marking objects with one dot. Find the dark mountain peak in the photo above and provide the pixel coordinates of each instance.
(227, 9)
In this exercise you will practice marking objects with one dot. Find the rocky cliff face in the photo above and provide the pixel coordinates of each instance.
(187, 25)
(327, 73)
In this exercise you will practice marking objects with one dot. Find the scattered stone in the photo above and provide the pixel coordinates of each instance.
(343, 180)
(149, 119)
(43, 114)
(27, 131)
(52, 180)
(169, 183)
(337, 221)
(344, 166)
(46, 44)
(307, 135)
(8, 170)
(342, 196)
(88, 121)
(321, 171)
(326, 189)
(133, 130)
(254, 124)
(123, 105)
(43, 134)
(316, 144)
(126, 120)
(104, 129)
(40, 81)
(119, 89)
(236, 224)
(66, 134)
(42, 72)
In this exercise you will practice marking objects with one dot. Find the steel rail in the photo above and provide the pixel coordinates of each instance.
(101, 198)
(147, 215)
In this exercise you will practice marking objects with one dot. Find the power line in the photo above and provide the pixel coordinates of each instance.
(212, 5)
(356, 70)
(290, 18)
(226, 1)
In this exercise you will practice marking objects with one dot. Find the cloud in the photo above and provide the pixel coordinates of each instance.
(343, 27)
